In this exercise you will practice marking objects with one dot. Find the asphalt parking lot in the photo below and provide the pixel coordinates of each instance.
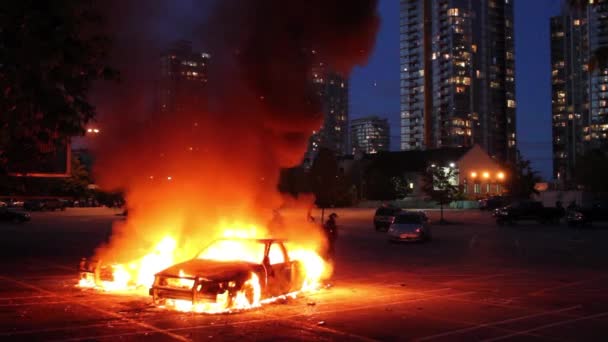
(474, 281)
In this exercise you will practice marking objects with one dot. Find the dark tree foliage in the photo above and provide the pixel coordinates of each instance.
(50, 53)
(323, 175)
(77, 184)
(591, 171)
(381, 185)
(437, 184)
(522, 179)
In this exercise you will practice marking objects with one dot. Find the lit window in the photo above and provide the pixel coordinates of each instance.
(453, 12)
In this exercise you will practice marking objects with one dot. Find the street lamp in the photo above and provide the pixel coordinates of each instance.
(473, 174)
(452, 165)
(500, 175)
(486, 175)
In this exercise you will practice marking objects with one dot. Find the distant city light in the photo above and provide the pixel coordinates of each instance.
(452, 165)
(169, 178)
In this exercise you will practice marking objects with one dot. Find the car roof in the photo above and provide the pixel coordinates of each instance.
(261, 240)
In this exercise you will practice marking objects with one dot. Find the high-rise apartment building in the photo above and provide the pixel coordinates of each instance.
(369, 135)
(183, 78)
(332, 88)
(579, 88)
(458, 75)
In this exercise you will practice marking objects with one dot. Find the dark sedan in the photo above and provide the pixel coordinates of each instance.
(7, 214)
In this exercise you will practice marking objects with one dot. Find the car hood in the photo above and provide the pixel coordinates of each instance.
(406, 228)
(209, 269)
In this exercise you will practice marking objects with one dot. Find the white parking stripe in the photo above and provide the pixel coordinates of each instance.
(551, 325)
(491, 324)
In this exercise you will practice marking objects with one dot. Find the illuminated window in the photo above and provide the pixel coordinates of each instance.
(511, 103)
(275, 254)
(477, 188)
(453, 12)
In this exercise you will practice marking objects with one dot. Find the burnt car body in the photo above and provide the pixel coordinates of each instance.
(203, 279)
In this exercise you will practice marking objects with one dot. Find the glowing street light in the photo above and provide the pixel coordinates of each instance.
(452, 165)
(486, 175)
(473, 174)
(500, 175)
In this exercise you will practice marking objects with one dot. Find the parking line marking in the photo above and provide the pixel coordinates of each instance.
(547, 289)
(551, 325)
(491, 324)
(109, 313)
(269, 318)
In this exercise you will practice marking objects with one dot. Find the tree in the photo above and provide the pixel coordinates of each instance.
(323, 175)
(523, 179)
(383, 186)
(76, 185)
(438, 184)
(50, 53)
(591, 170)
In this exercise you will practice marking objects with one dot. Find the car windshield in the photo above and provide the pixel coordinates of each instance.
(408, 219)
(386, 211)
(234, 250)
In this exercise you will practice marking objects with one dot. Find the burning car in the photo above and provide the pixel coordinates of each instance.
(230, 274)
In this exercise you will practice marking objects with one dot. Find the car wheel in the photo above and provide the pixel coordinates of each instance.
(249, 292)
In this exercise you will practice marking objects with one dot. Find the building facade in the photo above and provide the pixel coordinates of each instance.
(579, 86)
(458, 75)
(183, 79)
(369, 135)
(332, 89)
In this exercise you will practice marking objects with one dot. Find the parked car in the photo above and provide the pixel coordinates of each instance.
(493, 202)
(581, 216)
(410, 226)
(12, 215)
(53, 204)
(530, 211)
(33, 205)
(384, 217)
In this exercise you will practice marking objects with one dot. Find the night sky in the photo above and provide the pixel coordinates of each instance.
(375, 87)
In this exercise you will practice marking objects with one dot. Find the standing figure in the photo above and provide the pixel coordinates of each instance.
(331, 233)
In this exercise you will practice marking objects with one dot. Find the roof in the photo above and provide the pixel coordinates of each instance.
(417, 160)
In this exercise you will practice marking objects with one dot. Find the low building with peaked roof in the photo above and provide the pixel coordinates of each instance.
(478, 174)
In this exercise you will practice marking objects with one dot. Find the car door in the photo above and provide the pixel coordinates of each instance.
(279, 277)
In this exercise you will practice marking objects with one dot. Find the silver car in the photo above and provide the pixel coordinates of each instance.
(410, 226)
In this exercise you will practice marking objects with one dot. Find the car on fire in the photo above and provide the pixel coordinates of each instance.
(227, 268)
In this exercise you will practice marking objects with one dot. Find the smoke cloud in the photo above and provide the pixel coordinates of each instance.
(193, 173)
